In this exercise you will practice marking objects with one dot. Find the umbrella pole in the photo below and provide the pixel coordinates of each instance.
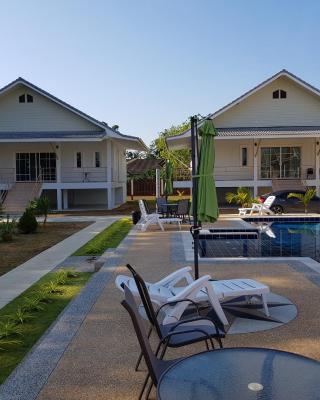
(194, 228)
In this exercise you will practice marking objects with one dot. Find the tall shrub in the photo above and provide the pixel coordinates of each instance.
(28, 223)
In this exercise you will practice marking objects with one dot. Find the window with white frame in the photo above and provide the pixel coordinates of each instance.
(244, 156)
(97, 159)
(79, 159)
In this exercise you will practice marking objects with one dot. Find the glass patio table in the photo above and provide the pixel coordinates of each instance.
(241, 374)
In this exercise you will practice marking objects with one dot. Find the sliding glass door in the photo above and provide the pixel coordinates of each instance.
(30, 167)
(280, 162)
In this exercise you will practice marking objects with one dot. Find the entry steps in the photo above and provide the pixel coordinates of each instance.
(19, 196)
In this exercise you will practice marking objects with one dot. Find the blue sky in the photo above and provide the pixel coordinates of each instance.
(148, 64)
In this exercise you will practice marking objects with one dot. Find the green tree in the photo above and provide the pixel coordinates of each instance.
(159, 149)
(304, 198)
(41, 206)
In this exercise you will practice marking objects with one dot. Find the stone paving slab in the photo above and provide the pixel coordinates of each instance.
(22, 277)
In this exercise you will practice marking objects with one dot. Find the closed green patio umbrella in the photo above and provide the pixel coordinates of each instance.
(168, 187)
(207, 203)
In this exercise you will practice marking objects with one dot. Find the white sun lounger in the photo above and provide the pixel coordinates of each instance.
(154, 219)
(200, 290)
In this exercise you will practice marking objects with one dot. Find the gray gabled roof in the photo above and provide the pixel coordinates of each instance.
(236, 131)
(102, 125)
(32, 136)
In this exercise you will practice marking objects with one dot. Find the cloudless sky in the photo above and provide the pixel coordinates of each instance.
(148, 64)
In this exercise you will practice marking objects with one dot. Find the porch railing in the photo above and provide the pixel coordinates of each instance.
(83, 174)
(239, 173)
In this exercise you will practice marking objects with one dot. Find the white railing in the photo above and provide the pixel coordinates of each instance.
(238, 173)
(83, 175)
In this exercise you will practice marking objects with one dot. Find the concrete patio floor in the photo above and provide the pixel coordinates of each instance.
(99, 361)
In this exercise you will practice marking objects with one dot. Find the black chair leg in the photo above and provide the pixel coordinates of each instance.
(207, 346)
(149, 390)
(144, 386)
(140, 356)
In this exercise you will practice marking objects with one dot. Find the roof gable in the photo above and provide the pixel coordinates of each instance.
(300, 107)
(281, 74)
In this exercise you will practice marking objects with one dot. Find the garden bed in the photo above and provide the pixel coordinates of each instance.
(23, 247)
(31, 314)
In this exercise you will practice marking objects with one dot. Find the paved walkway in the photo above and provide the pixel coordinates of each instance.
(91, 350)
(19, 279)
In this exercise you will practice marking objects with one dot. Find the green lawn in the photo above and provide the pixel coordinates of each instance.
(32, 329)
(109, 238)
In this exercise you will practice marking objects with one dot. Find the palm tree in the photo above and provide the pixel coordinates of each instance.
(304, 198)
(242, 197)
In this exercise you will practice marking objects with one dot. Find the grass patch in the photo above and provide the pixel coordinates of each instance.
(27, 317)
(107, 239)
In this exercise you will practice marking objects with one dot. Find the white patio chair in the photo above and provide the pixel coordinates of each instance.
(201, 290)
(255, 207)
(154, 218)
(265, 208)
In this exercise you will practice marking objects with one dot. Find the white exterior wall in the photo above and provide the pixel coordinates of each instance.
(41, 115)
(300, 108)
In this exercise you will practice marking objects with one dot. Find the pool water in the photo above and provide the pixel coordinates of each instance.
(281, 239)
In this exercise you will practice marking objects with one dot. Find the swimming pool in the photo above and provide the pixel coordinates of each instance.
(279, 239)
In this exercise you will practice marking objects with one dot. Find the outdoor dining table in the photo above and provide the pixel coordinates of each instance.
(170, 207)
(241, 374)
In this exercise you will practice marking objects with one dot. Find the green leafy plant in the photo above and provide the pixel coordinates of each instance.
(9, 328)
(54, 287)
(304, 198)
(32, 304)
(241, 197)
(41, 206)
(20, 316)
(7, 229)
(4, 343)
(28, 223)
(72, 273)
(61, 277)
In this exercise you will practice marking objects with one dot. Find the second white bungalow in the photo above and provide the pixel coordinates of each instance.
(268, 138)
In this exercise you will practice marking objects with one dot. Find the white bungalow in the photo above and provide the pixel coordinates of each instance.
(48, 146)
(269, 138)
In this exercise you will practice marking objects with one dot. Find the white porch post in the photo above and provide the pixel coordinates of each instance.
(59, 199)
(131, 188)
(157, 182)
(58, 162)
(65, 199)
(110, 190)
(317, 147)
(255, 168)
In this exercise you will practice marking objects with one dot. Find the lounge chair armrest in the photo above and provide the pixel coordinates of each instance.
(178, 301)
(175, 277)
(192, 289)
(184, 321)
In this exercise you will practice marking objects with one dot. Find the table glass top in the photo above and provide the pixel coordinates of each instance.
(238, 374)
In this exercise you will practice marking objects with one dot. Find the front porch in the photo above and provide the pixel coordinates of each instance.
(259, 163)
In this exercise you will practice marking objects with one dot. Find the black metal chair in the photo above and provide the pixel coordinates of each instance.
(146, 205)
(156, 366)
(202, 328)
(161, 205)
(310, 173)
(183, 209)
